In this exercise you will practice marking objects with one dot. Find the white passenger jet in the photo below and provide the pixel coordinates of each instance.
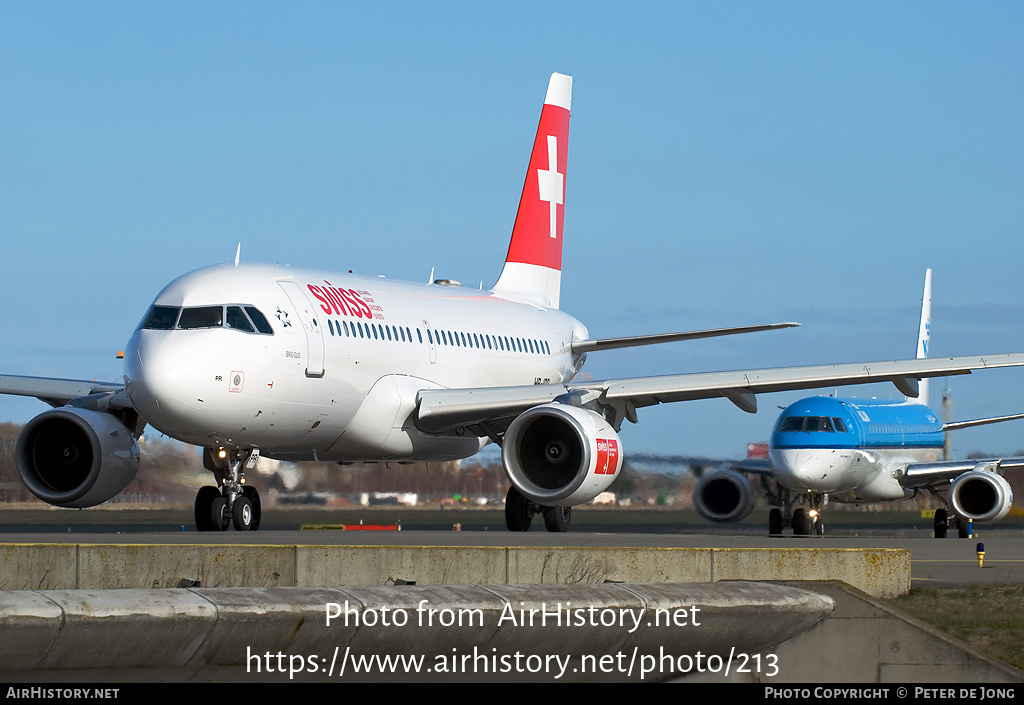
(248, 360)
(862, 451)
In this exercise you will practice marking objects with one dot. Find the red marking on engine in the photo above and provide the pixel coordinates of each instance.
(607, 457)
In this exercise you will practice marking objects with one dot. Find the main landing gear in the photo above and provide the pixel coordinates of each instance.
(944, 521)
(233, 502)
(519, 513)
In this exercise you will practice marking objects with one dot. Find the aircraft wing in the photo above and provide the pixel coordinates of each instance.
(744, 384)
(446, 409)
(942, 471)
(58, 392)
(753, 466)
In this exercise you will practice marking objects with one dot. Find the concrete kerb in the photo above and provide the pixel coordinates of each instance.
(880, 572)
(186, 629)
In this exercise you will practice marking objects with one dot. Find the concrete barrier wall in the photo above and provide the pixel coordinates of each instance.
(836, 634)
(537, 632)
(881, 572)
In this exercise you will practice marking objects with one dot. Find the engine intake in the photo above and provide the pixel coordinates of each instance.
(74, 457)
(981, 495)
(724, 495)
(559, 455)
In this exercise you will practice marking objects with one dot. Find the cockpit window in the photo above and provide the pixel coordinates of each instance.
(259, 320)
(819, 423)
(201, 317)
(810, 424)
(236, 319)
(160, 318)
(241, 317)
(791, 424)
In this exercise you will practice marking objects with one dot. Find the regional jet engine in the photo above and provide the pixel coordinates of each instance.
(559, 455)
(724, 495)
(981, 495)
(74, 457)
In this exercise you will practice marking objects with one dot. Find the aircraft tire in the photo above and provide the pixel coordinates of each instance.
(801, 524)
(940, 523)
(204, 508)
(220, 518)
(241, 514)
(253, 496)
(557, 519)
(775, 522)
(963, 528)
(517, 511)
(819, 527)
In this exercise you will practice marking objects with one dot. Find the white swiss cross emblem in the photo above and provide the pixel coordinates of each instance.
(550, 183)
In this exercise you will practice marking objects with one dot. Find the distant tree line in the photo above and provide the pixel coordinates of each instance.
(8, 441)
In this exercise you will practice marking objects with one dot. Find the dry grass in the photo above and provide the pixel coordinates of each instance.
(988, 617)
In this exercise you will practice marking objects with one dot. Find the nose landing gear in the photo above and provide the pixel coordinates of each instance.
(233, 502)
(804, 522)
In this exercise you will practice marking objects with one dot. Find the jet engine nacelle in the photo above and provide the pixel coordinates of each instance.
(724, 495)
(559, 455)
(74, 457)
(981, 495)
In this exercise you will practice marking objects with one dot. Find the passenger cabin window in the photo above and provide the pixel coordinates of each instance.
(236, 319)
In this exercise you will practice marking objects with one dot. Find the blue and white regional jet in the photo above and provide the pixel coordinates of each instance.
(859, 451)
(298, 364)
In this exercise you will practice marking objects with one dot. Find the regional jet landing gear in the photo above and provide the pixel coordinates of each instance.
(804, 521)
(945, 521)
(232, 502)
(519, 512)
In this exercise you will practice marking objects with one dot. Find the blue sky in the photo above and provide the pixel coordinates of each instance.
(729, 164)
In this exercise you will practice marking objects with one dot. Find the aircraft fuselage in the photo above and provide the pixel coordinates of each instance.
(850, 448)
(336, 376)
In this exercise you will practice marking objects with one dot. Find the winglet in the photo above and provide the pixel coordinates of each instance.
(533, 267)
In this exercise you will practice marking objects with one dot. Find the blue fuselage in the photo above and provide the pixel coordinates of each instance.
(851, 448)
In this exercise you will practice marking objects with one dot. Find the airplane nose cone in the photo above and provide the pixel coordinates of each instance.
(790, 467)
(818, 469)
(158, 380)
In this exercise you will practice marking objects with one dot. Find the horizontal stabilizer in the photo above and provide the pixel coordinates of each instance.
(979, 422)
(582, 346)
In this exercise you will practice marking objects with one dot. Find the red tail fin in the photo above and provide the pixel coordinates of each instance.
(533, 266)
